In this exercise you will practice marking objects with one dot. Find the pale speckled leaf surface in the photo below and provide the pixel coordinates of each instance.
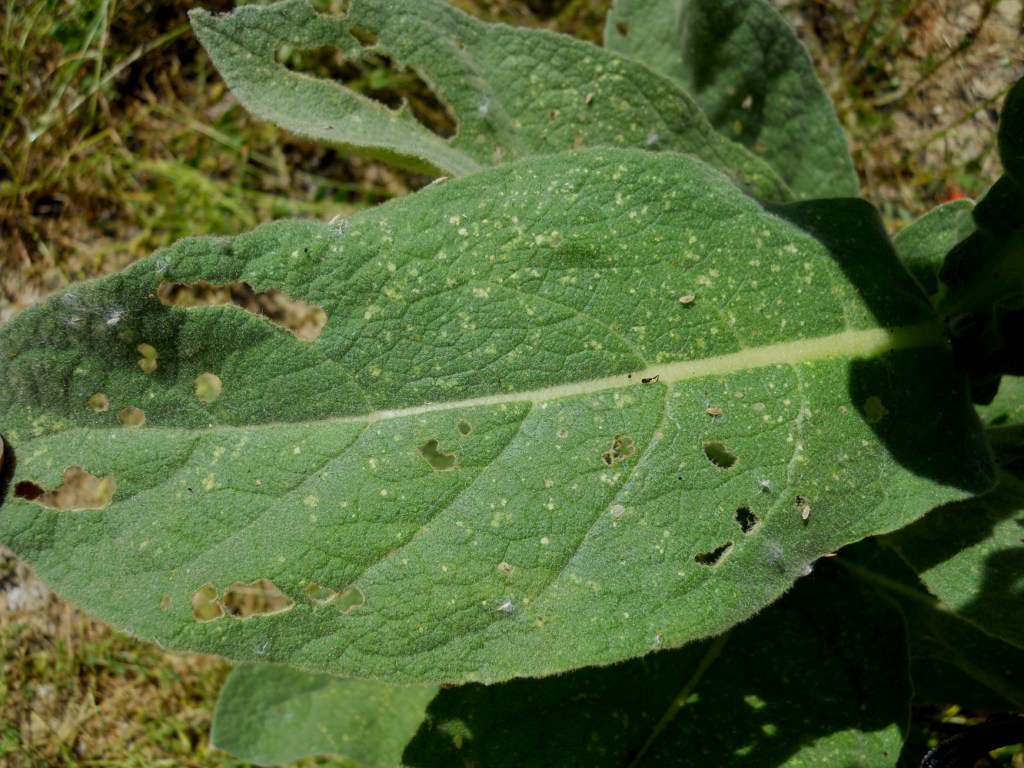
(604, 442)
(270, 714)
(514, 92)
(751, 76)
(820, 678)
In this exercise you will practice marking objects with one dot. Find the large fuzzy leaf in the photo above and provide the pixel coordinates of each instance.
(513, 450)
(751, 76)
(514, 92)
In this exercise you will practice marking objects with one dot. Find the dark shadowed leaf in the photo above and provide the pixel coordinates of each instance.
(820, 678)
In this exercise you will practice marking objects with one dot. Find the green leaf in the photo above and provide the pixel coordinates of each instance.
(952, 662)
(971, 556)
(982, 296)
(1006, 410)
(1011, 132)
(751, 76)
(619, 462)
(514, 92)
(923, 245)
(822, 677)
(270, 714)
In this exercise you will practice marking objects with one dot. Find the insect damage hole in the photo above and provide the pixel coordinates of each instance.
(99, 402)
(208, 387)
(746, 519)
(464, 427)
(376, 76)
(257, 598)
(132, 416)
(438, 460)
(78, 490)
(719, 455)
(349, 599)
(147, 361)
(622, 448)
(714, 556)
(319, 594)
(205, 605)
(304, 320)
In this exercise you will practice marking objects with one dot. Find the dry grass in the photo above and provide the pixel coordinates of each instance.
(117, 137)
(916, 84)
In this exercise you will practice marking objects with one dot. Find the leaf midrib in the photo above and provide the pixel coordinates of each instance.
(851, 344)
(847, 344)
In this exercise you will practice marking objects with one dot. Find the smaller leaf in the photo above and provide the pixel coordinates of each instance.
(971, 556)
(1011, 133)
(982, 296)
(269, 715)
(514, 92)
(953, 662)
(923, 245)
(819, 677)
(751, 76)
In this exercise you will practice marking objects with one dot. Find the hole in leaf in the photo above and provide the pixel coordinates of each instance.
(78, 490)
(366, 37)
(132, 416)
(376, 76)
(148, 361)
(304, 320)
(714, 556)
(205, 605)
(350, 599)
(719, 455)
(208, 387)
(746, 519)
(464, 427)
(6, 467)
(99, 402)
(257, 598)
(165, 603)
(319, 594)
(438, 460)
(622, 448)
(27, 490)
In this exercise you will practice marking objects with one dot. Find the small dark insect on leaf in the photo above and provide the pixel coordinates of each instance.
(650, 379)
(804, 507)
